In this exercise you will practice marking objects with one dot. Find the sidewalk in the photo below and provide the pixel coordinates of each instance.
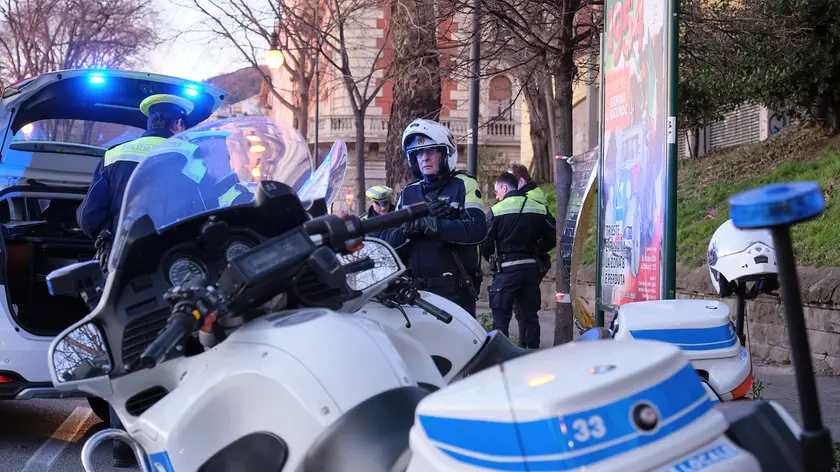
(546, 324)
(779, 380)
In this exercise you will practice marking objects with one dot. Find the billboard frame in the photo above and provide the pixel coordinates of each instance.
(667, 289)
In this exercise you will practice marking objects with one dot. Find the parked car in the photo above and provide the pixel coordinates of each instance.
(54, 130)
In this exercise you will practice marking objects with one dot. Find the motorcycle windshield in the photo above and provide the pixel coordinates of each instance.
(214, 165)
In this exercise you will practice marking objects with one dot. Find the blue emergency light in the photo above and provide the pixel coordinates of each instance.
(97, 78)
(191, 90)
(776, 204)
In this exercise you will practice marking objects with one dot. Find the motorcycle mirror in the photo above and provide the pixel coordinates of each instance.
(81, 355)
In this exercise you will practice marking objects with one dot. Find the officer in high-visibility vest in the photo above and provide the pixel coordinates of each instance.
(519, 231)
(380, 195)
(98, 213)
(101, 207)
(534, 192)
(527, 184)
(442, 255)
(210, 168)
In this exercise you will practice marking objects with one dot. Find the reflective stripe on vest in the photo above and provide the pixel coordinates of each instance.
(228, 197)
(538, 195)
(511, 206)
(194, 169)
(133, 151)
(472, 196)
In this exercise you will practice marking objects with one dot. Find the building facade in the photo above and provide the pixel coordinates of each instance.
(499, 110)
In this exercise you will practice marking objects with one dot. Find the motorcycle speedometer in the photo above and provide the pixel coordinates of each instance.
(185, 270)
(236, 248)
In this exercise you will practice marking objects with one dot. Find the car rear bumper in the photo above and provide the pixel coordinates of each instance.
(21, 389)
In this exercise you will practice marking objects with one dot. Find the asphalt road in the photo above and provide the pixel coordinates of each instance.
(47, 435)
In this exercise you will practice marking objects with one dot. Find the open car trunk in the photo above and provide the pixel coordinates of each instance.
(40, 235)
(55, 130)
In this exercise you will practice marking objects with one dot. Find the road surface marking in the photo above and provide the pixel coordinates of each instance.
(67, 433)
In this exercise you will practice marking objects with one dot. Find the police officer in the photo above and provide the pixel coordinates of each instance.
(380, 195)
(97, 215)
(527, 184)
(210, 168)
(520, 229)
(534, 192)
(442, 250)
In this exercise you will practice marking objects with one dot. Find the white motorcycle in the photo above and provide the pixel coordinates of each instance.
(272, 276)
(458, 344)
(717, 347)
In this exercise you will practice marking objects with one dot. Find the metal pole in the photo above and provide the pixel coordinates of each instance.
(669, 282)
(317, 100)
(599, 243)
(317, 85)
(472, 156)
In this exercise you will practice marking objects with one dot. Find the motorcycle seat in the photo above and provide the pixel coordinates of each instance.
(497, 349)
(371, 436)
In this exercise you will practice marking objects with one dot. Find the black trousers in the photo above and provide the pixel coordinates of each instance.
(521, 286)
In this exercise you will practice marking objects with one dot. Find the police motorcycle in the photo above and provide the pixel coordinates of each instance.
(266, 282)
(740, 261)
(629, 405)
(447, 331)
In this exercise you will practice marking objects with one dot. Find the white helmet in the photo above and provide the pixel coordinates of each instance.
(424, 134)
(741, 255)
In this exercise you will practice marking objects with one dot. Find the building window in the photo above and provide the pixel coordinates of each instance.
(501, 98)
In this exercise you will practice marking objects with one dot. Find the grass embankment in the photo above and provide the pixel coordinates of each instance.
(706, 183)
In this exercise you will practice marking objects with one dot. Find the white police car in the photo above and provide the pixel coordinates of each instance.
(55, 129)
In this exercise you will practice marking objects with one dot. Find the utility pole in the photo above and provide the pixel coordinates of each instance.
(472, 156)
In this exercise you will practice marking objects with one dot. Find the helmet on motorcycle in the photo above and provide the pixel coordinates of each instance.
(741, 255)
(425, 134)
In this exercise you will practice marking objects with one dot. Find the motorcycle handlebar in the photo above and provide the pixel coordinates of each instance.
(393, 219)
(433, 310)
(180, 324)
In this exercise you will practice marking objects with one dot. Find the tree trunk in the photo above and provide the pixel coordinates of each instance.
(360, 162)
(535, 97)
(417, 81)
(302, 115)
(564, 73)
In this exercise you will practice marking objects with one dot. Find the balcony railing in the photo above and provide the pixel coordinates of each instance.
(343, 127)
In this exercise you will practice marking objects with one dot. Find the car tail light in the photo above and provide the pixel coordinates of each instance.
(6, 379)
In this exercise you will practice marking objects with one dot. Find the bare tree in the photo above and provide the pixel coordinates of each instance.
(345, 45)
(249, 26)
(39, 37)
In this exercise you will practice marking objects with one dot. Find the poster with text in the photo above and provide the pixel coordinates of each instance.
(633, 177)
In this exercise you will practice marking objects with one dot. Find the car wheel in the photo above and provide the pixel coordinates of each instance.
(100, 408)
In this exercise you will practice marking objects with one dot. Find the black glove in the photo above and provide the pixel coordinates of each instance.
(427, 226)
(442, 209)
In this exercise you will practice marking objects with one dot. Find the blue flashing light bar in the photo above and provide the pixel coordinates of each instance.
(776, 204)
(97, 78)
(191, 90)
